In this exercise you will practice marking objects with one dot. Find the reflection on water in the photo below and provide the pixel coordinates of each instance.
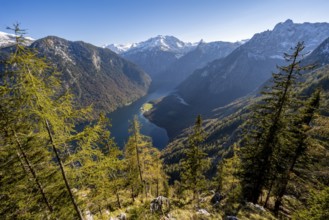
(121, 117)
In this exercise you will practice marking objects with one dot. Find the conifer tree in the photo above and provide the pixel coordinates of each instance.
(195, 163)
(144, 167)
(95, 165)
(27, 89)
(230, 170)
(317, 208)
(267, 135)
(37, 135)
(132, 158)
(301, 126)
(152, 168)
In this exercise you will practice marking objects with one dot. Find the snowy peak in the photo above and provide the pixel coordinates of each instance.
(286, 35)
(284, 24)
(10, 39)
(160, 42)
(118, 48)
(163, 43)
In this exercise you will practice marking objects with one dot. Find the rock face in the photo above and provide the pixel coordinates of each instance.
(95, 75)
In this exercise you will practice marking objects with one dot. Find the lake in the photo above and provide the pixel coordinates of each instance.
(120, 120)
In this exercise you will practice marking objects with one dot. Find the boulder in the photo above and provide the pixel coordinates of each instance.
(122, 216)
(216, 198)
(158, 203)
(231, 217)
(203, 212)
(256, 207)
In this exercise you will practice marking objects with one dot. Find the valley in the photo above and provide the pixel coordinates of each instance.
(120, 120)
(166, 129)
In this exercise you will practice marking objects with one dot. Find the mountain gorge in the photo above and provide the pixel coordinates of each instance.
(241, 72)
(248, 127)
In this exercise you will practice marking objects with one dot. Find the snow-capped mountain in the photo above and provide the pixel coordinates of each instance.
(284, 36)
(160, 42)
(195, 59)
(118, 48)
(155, 54)
(164, 43)
(9, 39)
(242, 71)
(251, 64)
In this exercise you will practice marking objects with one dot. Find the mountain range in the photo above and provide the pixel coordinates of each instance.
(197, 58)
(169, 60)
(160, 42)
(208, 76)
(156, 54)
(223, 129)
(239, 73)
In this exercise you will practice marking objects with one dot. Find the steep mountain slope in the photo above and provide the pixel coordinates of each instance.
(197, 58)
(96, 76)
(156, 54)
(238, 74)
(320, 56)
(224, 127)
(251, 64)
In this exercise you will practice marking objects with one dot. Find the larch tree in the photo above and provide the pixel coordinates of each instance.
(195, 163)
(144, 167)
(29, 100)
(38, 138)
(132, 158)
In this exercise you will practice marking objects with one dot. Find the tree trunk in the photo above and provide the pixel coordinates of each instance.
(268, 193)
(118, 198)
(301, 148)
(21, 161)
(273, 131)
(157, 189)
(132, 194)
(29, 165)
(80, 216)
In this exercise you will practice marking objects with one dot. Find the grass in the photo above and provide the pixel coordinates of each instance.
(146, 107)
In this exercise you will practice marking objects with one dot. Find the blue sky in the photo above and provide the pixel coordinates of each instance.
(125, 21)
